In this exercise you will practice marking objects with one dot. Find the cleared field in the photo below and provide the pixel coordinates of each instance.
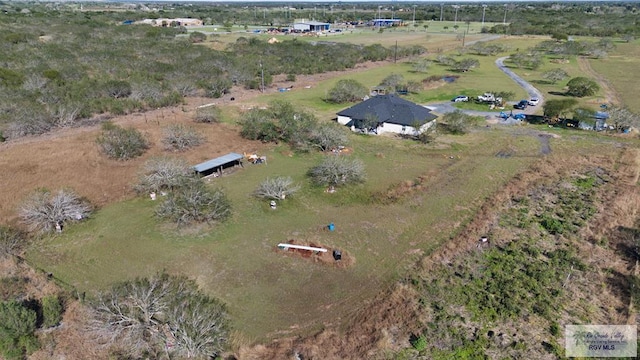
(620, 69)
(270, 294)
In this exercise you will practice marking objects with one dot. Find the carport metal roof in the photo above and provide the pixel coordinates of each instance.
(217, 162)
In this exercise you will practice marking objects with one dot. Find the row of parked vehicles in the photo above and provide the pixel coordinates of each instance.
(491, 99)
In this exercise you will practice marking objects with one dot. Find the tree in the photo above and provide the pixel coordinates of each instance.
(11, 241)
(465, 65)
(144, 316)
(277, 188)
(17, 326)
(328, 136)
(51, 311)
(347, 90)
(180, 137)
(458, 122)
(582, 86)
(558, 36)
(337, 170)
(558, 107)
(209, 114)
(197, 37)
(623, 118)
(392, 82)
(280, 122)
(427, 135)
(162, 174)
(421, 65)
(44, 210)
(555, 75)
(121, 144)
(192, 201)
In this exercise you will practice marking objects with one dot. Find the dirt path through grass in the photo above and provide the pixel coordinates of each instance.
(610, 94)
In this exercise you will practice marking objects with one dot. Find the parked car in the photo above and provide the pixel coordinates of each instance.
(460, 98)
(521, 105)
(534, 101)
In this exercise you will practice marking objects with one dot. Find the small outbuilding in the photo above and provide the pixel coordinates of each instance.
(218, 164)
(387, 114)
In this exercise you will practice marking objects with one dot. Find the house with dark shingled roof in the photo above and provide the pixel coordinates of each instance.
(387, 114)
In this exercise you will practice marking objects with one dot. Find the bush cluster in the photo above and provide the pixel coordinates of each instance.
(121, 143)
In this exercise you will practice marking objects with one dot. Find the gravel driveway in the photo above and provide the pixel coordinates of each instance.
(447, 107)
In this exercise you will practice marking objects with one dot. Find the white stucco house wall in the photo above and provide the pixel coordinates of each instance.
(390, 113)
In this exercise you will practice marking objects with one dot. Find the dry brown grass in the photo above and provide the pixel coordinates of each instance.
(70, 158)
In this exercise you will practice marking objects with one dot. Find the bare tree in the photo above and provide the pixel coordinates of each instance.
(622, 117)
(327, 136)
(192, 201)
(199, 326)
(179, 137)
(209, 114)
(337, 170)
(555, 75)
(277, 188)
(162, 174)
(145, 316)
(11, 241)
(44, 210)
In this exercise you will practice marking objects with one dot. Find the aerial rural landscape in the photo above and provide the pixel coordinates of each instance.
(330, 180)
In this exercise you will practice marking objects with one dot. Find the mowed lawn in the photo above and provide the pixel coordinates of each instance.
(270, 294)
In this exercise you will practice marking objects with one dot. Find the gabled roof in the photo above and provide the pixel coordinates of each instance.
(219, 161)
(390, 109)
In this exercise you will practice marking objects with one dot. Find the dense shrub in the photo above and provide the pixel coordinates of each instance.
(582, 86)
(121, 144)
(17, 326)
(51, 311)
(280, 122)
(347, 90)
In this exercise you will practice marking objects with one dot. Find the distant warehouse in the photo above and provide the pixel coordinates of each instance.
(311, 26)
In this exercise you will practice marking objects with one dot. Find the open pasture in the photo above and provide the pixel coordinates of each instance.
(270, 294)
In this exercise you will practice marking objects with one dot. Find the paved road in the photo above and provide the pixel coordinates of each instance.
(448, 107)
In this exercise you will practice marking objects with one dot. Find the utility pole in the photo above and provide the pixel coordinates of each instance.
(504, 21)
(414, 16)
(441, 8)
(484, 8)
(455, 19)
(261, 78)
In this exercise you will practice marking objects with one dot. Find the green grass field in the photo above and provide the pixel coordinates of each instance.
(238, 261)
(620, 69)
(271, 295)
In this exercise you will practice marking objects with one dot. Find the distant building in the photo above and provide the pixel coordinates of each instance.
(311, 26)
(385, 22)
(164, 22)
